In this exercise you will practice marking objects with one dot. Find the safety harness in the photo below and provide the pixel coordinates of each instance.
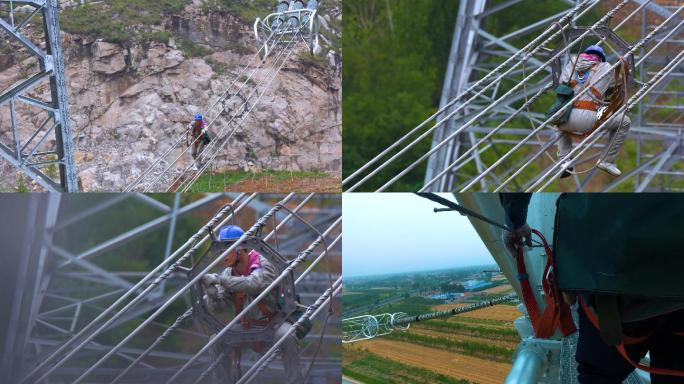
(240, 297)
(617, 99)
(556, 314)
(625, 339)
(195, 132)
(248, 322)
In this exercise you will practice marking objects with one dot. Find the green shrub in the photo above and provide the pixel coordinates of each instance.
(120, 20)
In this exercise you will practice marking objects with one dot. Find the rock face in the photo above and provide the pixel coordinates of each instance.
(129, 104)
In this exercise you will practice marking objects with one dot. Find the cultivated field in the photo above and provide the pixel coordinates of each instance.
(474, 347)
(497, 312)
(456, 365)
(506, 288)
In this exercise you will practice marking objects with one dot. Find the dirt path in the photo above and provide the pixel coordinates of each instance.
(446, 363)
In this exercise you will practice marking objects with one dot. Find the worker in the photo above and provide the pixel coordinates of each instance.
(586, 71)
(199, 134)
(661, 328)
(248, 274)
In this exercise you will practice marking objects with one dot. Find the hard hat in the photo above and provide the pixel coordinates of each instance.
(595, 49)
(198, 117)
(230, 233)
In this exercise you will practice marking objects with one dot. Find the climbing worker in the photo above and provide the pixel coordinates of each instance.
(199, 138)
(654, 325)
(248, 274)
(594, 107)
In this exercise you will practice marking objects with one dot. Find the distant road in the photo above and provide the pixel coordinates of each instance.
(367, 308)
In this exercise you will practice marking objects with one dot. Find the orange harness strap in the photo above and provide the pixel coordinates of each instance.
(586, 104)
(556, 313)
(249, 322)
(617, 99)
(630, 340)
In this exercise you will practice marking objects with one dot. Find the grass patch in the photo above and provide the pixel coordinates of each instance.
(508, 334)
(191, 49)
(472, 348)
(218, 67)
(373, 369)
(120, 20)
(212, 181)
(246, 10)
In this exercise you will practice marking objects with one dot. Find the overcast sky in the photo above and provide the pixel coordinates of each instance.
(399, 232)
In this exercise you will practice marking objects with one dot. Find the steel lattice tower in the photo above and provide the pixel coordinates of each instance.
(657, 128)
(40, 145)
(59, 286)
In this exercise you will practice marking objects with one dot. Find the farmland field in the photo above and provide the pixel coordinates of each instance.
(469, 348)
(506, 288)
(455, 365)
(474, 347)
(497, 312)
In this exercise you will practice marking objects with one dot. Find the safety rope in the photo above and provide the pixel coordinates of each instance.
(600, 130)
(220, 143)
(179, 321)
(311, 312)
(174, 145)
(246, 81)
(303, 256)
(484, 111)
(199, 238)
(548, 121)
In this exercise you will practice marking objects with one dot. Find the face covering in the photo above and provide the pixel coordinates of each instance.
(586, 60)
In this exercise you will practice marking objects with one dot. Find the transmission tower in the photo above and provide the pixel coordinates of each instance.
(40, 144)
(62, 277)
(657, 128)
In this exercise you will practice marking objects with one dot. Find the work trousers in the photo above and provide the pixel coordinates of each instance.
(598, 362)
(582, 120)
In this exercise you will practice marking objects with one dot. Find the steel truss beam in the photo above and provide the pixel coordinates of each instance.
(471, 53)
(33, 154)
(64, 297)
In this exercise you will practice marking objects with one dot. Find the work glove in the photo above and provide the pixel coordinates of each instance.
(210, 279)
(516, 239)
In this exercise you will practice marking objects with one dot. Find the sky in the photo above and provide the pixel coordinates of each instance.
(399, 232)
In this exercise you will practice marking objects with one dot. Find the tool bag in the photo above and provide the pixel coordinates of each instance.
(620, 244)
(619, 252)
(564, 94)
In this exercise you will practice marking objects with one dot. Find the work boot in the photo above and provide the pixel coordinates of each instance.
(569, 169)
(609, 168)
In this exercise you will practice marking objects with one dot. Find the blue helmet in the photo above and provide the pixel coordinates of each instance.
(198, 117)
(595, 49)
(230, 233)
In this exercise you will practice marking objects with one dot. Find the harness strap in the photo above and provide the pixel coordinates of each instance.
(630, 340)
(616, 100)
(249, 322)
(556, 314)
(596, 92)
(586, 104)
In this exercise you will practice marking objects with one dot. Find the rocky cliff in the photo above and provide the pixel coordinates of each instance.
(130, 101)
